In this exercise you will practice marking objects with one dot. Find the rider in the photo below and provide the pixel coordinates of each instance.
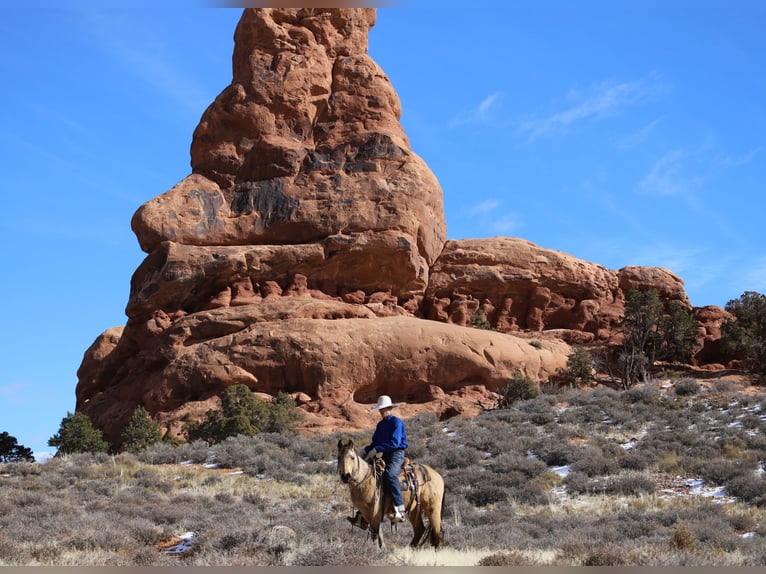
(390, 439)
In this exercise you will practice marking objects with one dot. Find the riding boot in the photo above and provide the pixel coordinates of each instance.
(358, 521)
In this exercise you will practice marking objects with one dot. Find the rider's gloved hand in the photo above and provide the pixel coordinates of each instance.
(371, 454)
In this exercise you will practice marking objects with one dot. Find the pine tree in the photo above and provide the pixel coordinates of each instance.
(11, 451)
(77, 434)
(140, 432)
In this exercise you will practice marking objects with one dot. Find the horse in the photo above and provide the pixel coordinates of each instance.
(423, 495)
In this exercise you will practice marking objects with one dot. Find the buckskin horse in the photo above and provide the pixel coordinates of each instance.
(422, 490)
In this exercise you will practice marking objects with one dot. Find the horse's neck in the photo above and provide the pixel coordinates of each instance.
(366, 478)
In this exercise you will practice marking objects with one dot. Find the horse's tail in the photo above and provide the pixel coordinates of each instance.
(438, 539)
(429, 534)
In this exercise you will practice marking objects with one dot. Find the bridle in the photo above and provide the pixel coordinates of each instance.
(358, 461)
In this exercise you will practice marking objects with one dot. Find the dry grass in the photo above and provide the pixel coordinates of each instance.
(276, 500)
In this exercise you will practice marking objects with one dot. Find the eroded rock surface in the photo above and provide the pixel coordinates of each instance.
(307, 253)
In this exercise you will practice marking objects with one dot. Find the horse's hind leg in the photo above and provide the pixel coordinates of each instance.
(435, 524)
(418, 528)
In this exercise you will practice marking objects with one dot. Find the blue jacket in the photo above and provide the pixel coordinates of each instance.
(389, 436)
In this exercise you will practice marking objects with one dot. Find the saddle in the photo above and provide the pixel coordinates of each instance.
(411, 476)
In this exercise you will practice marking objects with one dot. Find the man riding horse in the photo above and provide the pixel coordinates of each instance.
(390, 440)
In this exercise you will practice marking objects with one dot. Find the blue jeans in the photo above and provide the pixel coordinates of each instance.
(394, 461)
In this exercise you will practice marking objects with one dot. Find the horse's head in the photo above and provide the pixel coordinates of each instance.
(347, 459)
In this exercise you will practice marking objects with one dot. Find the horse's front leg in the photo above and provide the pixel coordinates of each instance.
(375, 521)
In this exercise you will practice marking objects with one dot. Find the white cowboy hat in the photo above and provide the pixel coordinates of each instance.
(384, 402)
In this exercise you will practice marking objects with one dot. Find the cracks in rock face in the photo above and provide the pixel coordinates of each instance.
(267, 198)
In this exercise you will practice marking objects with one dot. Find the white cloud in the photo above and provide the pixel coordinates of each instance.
(738, 161)
(478, 115)
(601, 100)
(638, 137)
(505, 224)
(667, 176)
(485, 207)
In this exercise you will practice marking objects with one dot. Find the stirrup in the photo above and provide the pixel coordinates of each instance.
(358, 521)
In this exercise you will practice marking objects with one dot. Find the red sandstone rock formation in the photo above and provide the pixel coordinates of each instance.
(306, 253)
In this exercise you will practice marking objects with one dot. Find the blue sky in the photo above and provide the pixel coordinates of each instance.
(622, 132)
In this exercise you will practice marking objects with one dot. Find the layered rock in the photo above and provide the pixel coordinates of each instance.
(306, 253)
(517, 285)
(304, 146)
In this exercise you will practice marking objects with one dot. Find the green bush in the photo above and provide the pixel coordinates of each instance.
(243, 413)
(686, 387)
(520, 388)
(745, 336)
(479, 320)
(652, 332)
(141, 431)
(579, 369)
(77, 434)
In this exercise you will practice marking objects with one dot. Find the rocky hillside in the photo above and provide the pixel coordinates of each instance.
(307, 252)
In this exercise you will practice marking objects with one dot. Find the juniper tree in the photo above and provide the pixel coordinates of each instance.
(77, 434)
(12, 451)
(140, 432)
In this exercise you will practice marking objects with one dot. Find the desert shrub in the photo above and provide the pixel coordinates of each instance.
(606, 555)
(725, 386)
(685, 387)
(479, 320)
(635, 460)
(520, 388)
(504, 559)
(579, 369)
(719, 471)
(578, 482)
(539, 410)
(488, 492)
(148, 479)
(530, 493)
(592, 461)
(250, 452)
(508, 462)
(460, 479)
(554, 451)
(645, 393)
(631, 484)
(683, 538)
(749, 488)
(461, 457)
(159, 453)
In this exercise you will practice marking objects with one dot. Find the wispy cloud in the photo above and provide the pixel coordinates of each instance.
(639, 136)
(729, 161)
(151, 62)
(668, 175)
(480, 114)
(491, 217)
(505, 224)
(485, 207)
(599, 101)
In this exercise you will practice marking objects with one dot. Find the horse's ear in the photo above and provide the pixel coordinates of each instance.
(345, 443)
